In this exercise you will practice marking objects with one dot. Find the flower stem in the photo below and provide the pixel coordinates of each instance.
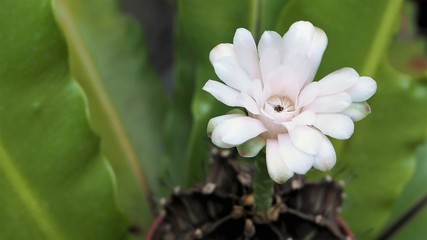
(263, 187)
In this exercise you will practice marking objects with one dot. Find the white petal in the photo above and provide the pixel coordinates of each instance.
(231, 73)
(220, 51)
(256, 91)
(246, 52)
(330, 104)
(337, 126)
(304, 118)
(338, 81)
(304, 39)
(213, 123)
(252, 147)
(238, 130)
(269, 61)
(285, 81)
(296, 160)
(269, 50)
(308, 94)
(249, 103)
(276, 167)
(269, 40)
(357, 111)
(363, 89)
(223, 93)
(326, 158)
(306, 139)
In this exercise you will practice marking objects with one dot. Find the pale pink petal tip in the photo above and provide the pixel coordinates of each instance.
(338, 126)
(363, 89)
(236, 131)
(246, 52)
(276, 167)
(326, 158)
(223, 93)
(220, 51)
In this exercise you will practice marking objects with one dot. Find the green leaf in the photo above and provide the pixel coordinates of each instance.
(54, 182)
(126, 101)
(413, 192)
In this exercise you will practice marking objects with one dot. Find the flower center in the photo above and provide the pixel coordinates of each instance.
(280, 104)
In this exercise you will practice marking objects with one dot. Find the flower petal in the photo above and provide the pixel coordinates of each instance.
(220, 51)
(330, 104)
(338, 81)
(363, 89)
(308, 94)
(269, 49)
(236, 131)
(249, 103)
(223, 93)
(357, 111)
(256, 91)
(306, 139)
(303, 39)
(214, 122)
(326, 158)
(296, 160)
(269, 62)
(231, 73)
(276, 167)
(304, 118)
(246, 52)
(338, 126)
(285, 81)
(252, 147)
(269, 40)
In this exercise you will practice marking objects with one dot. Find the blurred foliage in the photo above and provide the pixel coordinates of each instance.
(52, 164)
(408, 50)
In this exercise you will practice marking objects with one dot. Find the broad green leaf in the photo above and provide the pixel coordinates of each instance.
(54, 182)
(126, 101)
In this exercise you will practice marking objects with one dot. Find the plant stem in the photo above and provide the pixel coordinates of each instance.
(263, 186)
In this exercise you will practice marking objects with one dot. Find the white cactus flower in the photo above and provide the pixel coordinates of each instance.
(287, 112)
